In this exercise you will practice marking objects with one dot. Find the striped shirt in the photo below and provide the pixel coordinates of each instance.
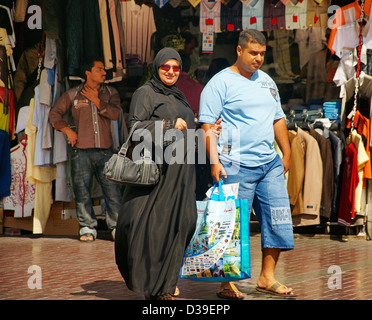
(210, 13)
(231, 16)
(93, 125)
(274, 16)
(139, 25)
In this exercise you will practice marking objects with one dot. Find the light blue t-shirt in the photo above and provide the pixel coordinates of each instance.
(248, 109)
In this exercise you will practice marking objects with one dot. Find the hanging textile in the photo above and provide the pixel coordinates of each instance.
(139, 26)
(252, 15)
(274, 16)
(317, 13)
(350, 181)
(42, 177)
(210, 16)
(21, 199)
(296, 15)
(313, 182)
(231, 16)
(5, 171)
(346, 15)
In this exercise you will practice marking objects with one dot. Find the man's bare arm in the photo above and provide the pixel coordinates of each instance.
(217, 168)
(281, 137)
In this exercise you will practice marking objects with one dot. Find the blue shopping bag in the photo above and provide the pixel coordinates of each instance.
(219, 250)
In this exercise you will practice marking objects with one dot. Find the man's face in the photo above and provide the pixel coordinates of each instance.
(97, 73)
(251, 57)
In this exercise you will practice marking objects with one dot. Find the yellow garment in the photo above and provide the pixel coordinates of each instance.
(4, 119)
(194, 3)
(362, 157)
(42, 177)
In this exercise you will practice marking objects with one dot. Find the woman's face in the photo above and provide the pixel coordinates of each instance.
(169, 72)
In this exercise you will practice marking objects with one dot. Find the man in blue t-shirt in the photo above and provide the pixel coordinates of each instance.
(248, 102)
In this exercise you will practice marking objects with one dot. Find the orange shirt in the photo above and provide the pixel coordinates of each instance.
(345, 15)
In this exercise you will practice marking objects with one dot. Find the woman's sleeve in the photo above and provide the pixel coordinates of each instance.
(141, 109)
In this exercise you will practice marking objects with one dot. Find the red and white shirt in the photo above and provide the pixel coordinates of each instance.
(210, 16)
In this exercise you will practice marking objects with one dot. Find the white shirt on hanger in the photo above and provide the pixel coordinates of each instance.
(296, 15)
(347, 38)
(139, 26)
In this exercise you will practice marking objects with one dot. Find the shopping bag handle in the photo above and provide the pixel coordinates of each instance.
(220, 196)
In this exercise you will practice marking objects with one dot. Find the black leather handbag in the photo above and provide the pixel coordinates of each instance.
(123, 170)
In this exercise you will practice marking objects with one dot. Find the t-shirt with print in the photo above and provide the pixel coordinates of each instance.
(248, 109)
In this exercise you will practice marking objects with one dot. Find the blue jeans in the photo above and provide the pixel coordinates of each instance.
(265, 188)
(84, 164)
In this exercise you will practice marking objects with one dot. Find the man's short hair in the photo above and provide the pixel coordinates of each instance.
(251, 36)
(88, 64)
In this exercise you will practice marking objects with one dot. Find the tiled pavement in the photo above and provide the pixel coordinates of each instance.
(71, 270)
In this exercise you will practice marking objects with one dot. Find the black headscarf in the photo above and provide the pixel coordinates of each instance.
(157, 85)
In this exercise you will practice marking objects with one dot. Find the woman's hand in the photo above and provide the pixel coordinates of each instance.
(180, 124)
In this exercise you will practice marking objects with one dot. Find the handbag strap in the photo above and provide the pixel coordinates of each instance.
(124, 148)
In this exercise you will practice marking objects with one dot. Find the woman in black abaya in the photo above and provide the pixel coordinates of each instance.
(156, 224)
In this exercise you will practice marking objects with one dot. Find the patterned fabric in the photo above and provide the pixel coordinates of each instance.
(231, 16)
(274, 16)
(210, 13)
(22, 196)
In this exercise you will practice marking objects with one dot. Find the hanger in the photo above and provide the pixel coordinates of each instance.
(334, 126)
(318, 125)
(291, 125)
(304, 124)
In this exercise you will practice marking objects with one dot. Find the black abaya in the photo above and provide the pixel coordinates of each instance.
(156, 224)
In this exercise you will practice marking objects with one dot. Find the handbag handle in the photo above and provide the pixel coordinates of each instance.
(124, 148)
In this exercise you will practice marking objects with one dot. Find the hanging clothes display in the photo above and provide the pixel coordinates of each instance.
(139, 26)
(252, 15)
(231, 16)
(313, 182)
(5, 171)
(317, 13)
(274, 15)
(296, 174)
(328, 173)
(362, 159)
(350, 180)
(22, 197)
(42, 177)
(345, 15)
(296, 15)
(210, 16)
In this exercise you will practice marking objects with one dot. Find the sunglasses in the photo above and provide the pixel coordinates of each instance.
(167, 67)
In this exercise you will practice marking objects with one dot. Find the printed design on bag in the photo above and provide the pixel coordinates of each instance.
(214, 250)
(281, 215)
